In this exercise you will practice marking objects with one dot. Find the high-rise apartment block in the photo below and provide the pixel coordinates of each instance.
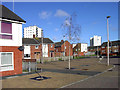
(32, 31)
(95, 41)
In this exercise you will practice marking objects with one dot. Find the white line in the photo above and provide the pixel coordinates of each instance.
(86, 78)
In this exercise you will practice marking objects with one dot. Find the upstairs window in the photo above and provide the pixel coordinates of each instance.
(6, 30)
(36, 47)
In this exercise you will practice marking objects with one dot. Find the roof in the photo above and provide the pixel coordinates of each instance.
(8, 14)
(93, 47)
(58, 44)
(29, 41)
(45, 40)
(112, 43)
(36, 41)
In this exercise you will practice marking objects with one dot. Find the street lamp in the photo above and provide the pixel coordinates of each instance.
(42, 46)
(108, 61)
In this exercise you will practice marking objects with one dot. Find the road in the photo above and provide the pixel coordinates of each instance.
(107, 79)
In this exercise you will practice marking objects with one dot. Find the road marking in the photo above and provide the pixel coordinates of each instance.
(86, 78)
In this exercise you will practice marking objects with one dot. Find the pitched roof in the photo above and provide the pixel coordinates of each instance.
(112, 43)
(5, 13)
(29, 41)
(36, 41)
(45, 40)
(93, 47)
(58, 44)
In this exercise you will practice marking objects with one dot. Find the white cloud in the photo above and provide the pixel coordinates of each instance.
(61, 13)
(44, 14)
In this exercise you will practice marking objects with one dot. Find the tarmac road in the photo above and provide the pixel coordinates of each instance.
(108, 79)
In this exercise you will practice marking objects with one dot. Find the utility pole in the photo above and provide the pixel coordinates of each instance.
(13, 5)
(108, 61)
(42, 46)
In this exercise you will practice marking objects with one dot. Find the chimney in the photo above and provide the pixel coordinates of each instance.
(33, 35)
(62, 41)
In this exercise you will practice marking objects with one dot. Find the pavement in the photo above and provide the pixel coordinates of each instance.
(59, 76)
(107, 79)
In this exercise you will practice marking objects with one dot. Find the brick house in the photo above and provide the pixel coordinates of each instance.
(114, 48)
(80, 49)
(33, 48)
(10, 42)
(94, 49)
(62, 49)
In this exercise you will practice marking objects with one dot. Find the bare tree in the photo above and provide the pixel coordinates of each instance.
(72, 30)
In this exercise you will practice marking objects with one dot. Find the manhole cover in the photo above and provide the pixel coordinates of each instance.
(84, 65)
(84, 69)
(39, 78)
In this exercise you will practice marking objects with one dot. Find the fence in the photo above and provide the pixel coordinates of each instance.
(49, 59)
(29, 65)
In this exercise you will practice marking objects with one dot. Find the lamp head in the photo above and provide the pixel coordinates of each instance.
(108, 16)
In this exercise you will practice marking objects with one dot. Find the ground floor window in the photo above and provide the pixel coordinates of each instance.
(6, 61)
(26, 55)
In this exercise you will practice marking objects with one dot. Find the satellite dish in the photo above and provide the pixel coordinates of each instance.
(21, 48)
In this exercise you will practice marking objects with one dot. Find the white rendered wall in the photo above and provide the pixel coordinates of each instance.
(39, 32)
(73, 45)
(27, 51)
(45, 50)
(16, 36)
(30, 31)
(97, 40)
(84, 47)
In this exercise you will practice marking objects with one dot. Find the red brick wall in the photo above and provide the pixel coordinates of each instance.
(57, 51)
(61, 49)
(32, 49)
(17, 60)
(51, 49)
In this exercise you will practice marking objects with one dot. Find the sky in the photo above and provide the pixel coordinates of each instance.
(49, 16)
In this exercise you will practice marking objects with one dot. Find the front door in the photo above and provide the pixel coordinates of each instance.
(37, 55)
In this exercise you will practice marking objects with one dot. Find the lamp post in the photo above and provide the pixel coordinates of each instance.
(42, 46)
(64, 47)
(108, 61)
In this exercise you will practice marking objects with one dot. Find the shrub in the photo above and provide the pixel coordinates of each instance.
(60, 59)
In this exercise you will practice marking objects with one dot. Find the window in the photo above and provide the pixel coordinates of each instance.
(6, 62)
(51, 45)
(116, 50)
(65, 47)
(103, 47)
(36, 47)
(115, 46)
(103, 51)
(6, 30)
(26, 55)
